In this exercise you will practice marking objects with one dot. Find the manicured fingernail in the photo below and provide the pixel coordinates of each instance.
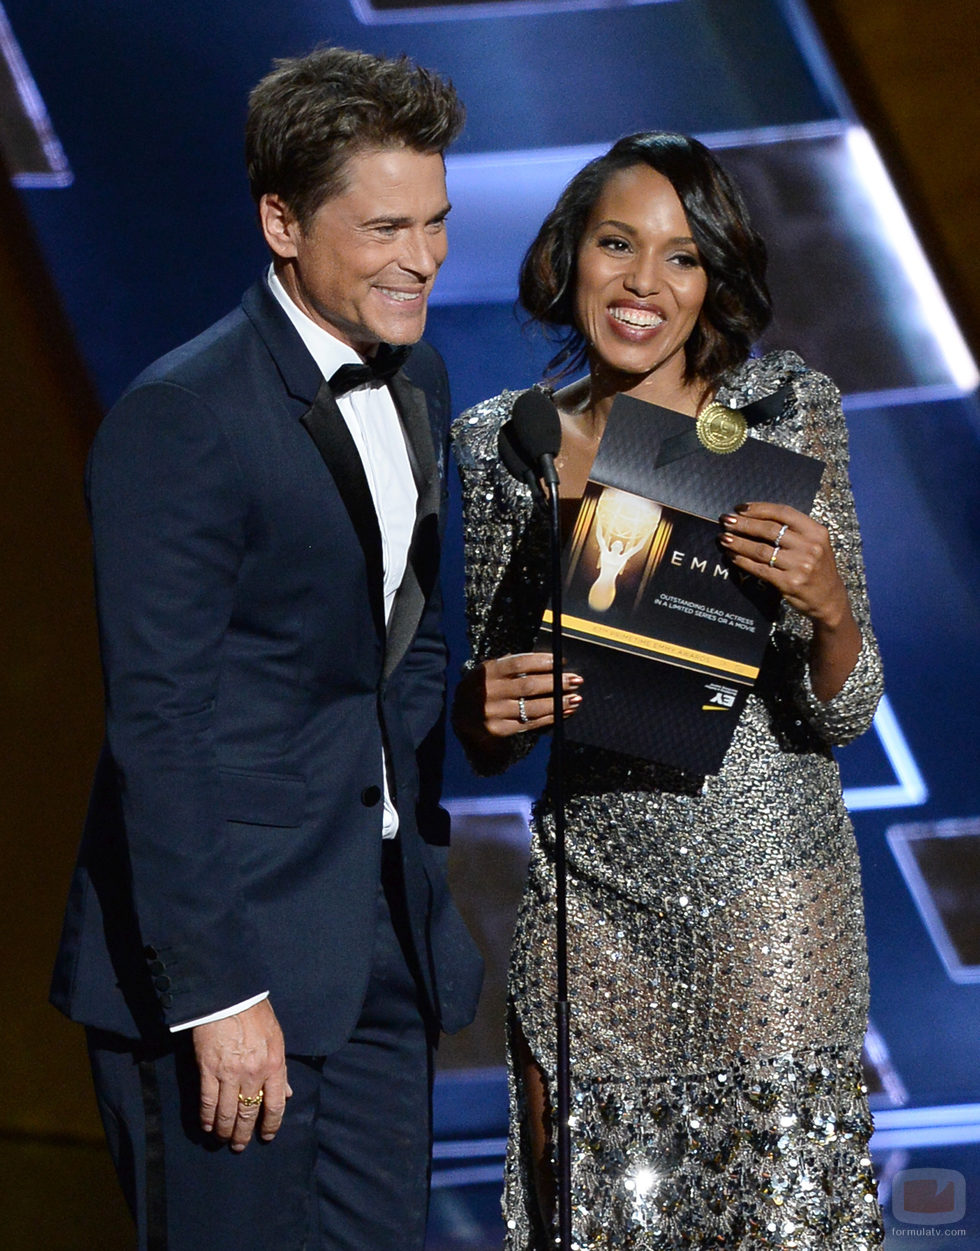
(574, 679)
(727, 539)
(728, 519)
(740, 508)
(573, 701)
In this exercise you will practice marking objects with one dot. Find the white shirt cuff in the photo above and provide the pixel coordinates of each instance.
(220, 1016)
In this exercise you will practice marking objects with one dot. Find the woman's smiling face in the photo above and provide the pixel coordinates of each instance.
(640, 281)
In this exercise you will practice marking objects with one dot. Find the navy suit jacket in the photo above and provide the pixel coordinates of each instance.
(233, 838)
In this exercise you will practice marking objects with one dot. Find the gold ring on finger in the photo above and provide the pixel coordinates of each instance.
(522, 716)
(251, 1101)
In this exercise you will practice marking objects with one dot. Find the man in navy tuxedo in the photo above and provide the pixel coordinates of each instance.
(260, 913)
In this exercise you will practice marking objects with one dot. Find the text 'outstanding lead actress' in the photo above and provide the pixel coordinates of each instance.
(260, 909)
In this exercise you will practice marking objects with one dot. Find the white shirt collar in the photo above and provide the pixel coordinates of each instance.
(326, 349)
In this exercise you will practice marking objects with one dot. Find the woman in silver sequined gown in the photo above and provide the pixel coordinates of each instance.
(717, 968)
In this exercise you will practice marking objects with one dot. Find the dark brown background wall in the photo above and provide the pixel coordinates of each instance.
(912, 68)
(50, 687)
(54, 1178)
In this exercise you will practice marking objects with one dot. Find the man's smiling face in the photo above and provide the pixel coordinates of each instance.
(365, 265)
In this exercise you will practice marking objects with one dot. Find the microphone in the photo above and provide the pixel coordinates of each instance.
(515, 463)
(532, 438)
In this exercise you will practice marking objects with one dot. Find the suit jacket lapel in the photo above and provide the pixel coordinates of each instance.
(414, 412)
(422, 566)
(303, 381)
(329, 432)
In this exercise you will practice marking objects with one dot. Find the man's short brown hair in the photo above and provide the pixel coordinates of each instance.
(311, 114)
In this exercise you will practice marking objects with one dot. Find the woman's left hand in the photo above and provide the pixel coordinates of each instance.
(791, 552)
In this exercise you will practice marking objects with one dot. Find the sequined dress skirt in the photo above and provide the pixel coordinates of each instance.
(718, 1000)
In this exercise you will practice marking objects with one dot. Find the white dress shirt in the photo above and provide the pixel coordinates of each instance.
(376, 429)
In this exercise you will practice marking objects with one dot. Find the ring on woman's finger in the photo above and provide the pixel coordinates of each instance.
(775, 545)
(522, 716)
(251, 1101)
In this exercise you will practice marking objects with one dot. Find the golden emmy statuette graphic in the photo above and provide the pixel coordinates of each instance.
(624, 525)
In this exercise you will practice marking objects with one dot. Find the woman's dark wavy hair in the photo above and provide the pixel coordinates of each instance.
(737, 307)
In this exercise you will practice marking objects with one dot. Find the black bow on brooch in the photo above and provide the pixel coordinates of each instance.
(770, 408)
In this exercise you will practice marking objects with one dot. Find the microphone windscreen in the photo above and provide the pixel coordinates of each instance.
(537, 426)
(512, 459)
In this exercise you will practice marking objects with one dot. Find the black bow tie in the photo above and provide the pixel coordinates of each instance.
(384, 364)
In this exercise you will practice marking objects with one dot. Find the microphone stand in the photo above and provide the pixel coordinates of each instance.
(563, 1093)
(526, 467)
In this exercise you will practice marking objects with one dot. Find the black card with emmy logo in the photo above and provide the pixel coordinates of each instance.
(667, 633)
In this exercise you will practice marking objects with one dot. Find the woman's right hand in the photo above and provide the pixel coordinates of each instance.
(512, 695)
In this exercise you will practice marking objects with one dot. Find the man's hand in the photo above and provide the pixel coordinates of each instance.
(242, 1055)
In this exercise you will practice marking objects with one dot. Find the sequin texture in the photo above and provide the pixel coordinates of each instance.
(717, 966)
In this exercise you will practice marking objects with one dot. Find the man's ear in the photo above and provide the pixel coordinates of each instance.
(279, 226)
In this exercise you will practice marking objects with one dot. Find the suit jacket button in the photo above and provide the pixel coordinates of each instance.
(162, 983)
(370, 796)
(157, 966)
(150, 953)
(166, 1001)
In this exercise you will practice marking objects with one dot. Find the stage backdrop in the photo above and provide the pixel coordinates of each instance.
(122, 129)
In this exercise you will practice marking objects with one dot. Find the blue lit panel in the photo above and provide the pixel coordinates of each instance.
(383, 12)
(30, 147)
(926, 1127)
(908, 789)
(940, 862)
(487, 867)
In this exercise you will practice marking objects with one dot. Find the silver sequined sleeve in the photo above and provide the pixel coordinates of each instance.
(849, 712)
(506, 553)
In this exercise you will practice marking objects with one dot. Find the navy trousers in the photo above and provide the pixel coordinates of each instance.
(348, 1171)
